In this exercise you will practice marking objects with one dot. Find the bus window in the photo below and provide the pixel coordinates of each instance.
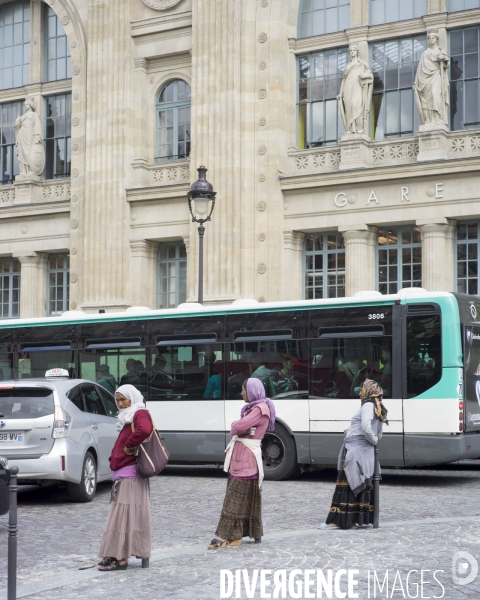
(424, 353)
(112, 367)
(36, 358)
(277, 364)
(339, 365)
(186, 372)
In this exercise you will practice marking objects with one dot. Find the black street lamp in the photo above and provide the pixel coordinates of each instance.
(201, 192)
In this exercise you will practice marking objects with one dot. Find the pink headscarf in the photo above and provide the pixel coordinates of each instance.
(256, 394)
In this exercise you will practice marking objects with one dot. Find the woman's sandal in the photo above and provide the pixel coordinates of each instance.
(215, 544)
(105, 561)
(231, 542)
(115, 565)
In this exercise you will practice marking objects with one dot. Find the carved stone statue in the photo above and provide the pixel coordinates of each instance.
(29, 141)
(431, 83)
(355, 93)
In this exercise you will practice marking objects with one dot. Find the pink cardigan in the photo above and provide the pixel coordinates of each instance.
(243, 463)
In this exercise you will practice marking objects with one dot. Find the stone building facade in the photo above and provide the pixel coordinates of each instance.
(136, 94)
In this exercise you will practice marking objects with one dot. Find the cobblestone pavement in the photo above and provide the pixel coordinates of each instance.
(426, 517)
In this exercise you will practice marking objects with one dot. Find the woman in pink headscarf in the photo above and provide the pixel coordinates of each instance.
(242, 508)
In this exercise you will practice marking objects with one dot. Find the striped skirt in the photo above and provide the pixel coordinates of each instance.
(347, 509)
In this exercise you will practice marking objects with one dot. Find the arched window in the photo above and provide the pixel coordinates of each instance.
(323, 16)
(173, 121)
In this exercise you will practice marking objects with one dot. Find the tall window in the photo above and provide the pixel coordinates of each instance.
(8, 156)
(14, 44)
(319, 79)
(467, 258)
(324, 266)
(399, 259)
(172, 275)
(323, 16)
(58, 277)
(9, 288)
(387, 11)
(455, 5)
(173, 121)
(464, 76)
(58, 63)
(394, 64)
(58, 136)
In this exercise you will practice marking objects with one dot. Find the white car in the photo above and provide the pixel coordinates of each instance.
(58, 429)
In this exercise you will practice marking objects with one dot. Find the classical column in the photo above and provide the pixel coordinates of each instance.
(143, 266)
(293, 245)
(109, 154)
(33, 285)
(437, 256)
(360, 260)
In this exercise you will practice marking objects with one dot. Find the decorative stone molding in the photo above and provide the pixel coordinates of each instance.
(262, 122)
(161, 4)
(262, 205)
(262, 93)
(262, 149)
(262, 268)
(293, 240)
(57, 191)
(168, 175)
(262, 38)
(7, 195)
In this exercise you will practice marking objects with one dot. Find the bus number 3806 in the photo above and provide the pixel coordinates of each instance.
(376, 316)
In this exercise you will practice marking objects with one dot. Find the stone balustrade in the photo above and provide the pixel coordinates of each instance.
(398, 151)
(35, 191)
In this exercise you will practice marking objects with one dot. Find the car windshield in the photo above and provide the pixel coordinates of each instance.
(26, 403)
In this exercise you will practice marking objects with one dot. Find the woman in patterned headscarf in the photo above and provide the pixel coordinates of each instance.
(352, 503)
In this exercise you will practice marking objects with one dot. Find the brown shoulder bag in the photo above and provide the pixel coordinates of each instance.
(152, 456)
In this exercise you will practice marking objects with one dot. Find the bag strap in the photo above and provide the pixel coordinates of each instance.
(153, 424)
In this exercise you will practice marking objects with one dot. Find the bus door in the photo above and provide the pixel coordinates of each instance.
(341, 358)
(186, 396)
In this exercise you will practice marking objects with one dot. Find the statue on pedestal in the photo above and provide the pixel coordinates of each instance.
(431, 83)
(355, 93)
(29, 141)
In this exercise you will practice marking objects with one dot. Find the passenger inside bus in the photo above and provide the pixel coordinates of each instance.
(284, 380)
(214, 384)
(131, 374)
(105, 378)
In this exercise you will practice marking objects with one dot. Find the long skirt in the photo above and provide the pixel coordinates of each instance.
(347, 509)
(242, 510)
(129, 530)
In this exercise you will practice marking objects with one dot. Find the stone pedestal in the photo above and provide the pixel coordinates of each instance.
(33, 295)
(432, 142)
(360, 260)
(28, 188)
(355, 153)
(437, 255)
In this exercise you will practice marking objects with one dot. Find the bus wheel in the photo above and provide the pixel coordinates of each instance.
(279, 455)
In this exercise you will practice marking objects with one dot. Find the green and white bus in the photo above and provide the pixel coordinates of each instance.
(312, 356)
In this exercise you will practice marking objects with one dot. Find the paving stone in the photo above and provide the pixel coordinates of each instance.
(426, 516)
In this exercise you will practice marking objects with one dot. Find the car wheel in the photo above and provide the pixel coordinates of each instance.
(85, 490)
(279, 455)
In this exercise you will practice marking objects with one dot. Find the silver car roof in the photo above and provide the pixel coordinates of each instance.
(60, 385)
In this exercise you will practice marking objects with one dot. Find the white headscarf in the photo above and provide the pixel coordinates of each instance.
(126, 414)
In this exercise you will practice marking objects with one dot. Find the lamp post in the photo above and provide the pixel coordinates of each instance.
(201, 193)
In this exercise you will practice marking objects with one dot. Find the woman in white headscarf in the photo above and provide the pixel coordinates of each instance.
(128, 531)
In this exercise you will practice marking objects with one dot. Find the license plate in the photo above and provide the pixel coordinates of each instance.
(11, 437)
